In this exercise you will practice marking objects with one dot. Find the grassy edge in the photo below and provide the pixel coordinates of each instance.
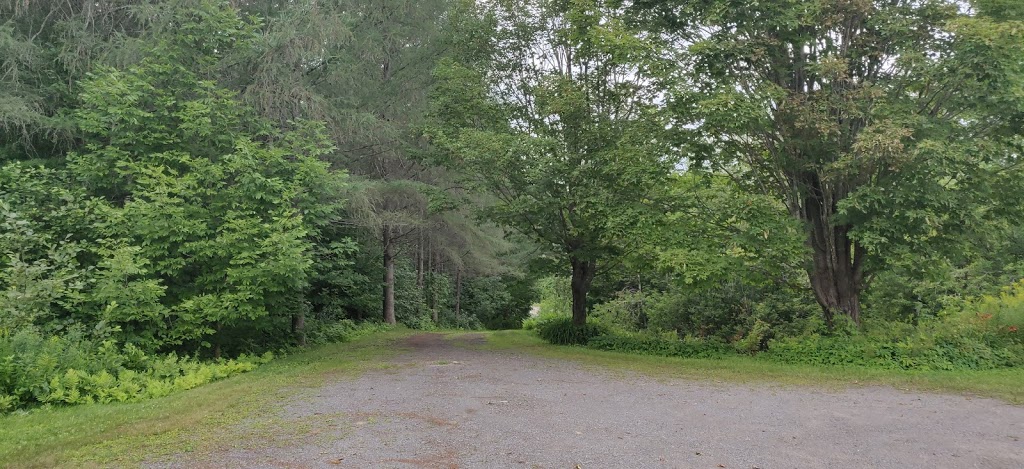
(999, 384)
(194, 421)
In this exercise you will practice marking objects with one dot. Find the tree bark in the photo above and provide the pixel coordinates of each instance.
(216, 342)
(431, 300)
(419, 263)
(299, 328)
(837, 272)
(389, 277)
(458, 293)
(582, 276)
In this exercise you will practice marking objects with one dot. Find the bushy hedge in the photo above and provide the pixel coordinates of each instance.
(532, 322)
(986, 333)
(920, 352)
(561, 331)
(342, 330)
(71, 369)
(646, 344)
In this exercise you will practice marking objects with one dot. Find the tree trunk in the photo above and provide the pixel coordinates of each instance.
(389, 277)
(431, 300)
(458, 293)
(837, 272)
(216, 342)
(299, 328)
(419, 265)
(582, 276)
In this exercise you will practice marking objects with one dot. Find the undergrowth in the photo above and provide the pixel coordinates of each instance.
(70, 369)
(982, 334)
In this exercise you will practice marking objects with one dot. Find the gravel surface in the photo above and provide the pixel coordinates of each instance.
(446, 404)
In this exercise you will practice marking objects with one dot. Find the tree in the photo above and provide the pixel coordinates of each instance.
(560, 124)
(878, 123)
(362, 66)
(220, 205)
(45, 49)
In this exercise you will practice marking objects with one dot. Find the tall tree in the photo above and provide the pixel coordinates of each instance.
(876, 122)
(45, 49)
(364, 67)
(560, 124)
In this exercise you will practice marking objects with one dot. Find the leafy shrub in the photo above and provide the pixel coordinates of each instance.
(72, 369)
(648, 344)
(626, 311)
(730, 310)
(999, 317)
(555, 295)
(421, 322)
(937, 346)
(464, 321)
(343, 330)
(756, 339)
(561, 331)
(531, 323)
(499, 302)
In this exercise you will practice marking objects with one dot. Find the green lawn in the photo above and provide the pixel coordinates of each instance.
(203, 419)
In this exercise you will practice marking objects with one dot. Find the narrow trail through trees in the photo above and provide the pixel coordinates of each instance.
(447, 402)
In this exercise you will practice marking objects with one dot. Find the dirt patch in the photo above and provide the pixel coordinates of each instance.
(436, 421)
(445, 460)
(457, 406)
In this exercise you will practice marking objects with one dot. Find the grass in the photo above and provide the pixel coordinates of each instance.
(1000, 384)
(198, 420)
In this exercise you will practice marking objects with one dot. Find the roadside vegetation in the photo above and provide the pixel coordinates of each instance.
(201, 419)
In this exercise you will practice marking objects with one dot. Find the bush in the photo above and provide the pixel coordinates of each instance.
(646, 344)
(531, 323)
(561, 331)
(342, 330)
(421, 322)
(730, 310)
(626, 311)
(466, 322)
(38, 370)
(939, 345)
(1000, 318)
(555, 295)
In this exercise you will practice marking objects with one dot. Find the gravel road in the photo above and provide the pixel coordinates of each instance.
(449, 405)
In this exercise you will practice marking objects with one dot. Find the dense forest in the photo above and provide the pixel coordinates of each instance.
(189, 185)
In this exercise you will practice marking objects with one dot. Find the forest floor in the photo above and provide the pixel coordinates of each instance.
(498, 400)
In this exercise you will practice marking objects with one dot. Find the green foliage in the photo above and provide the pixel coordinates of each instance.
(982, 335)
(73, 369)
(569, 149)
(182, 222)
(555, 297)
(499, 302)
(560, 330)
(344, 330)
(901, 132)
(729, 310)
(627, 311)
(670, 346)
(531, 323)
(922, 351)
(999, 318)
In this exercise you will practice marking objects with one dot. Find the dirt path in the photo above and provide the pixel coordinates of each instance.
(449, 405)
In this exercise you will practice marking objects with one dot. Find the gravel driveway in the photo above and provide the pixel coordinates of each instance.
(448, 405)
